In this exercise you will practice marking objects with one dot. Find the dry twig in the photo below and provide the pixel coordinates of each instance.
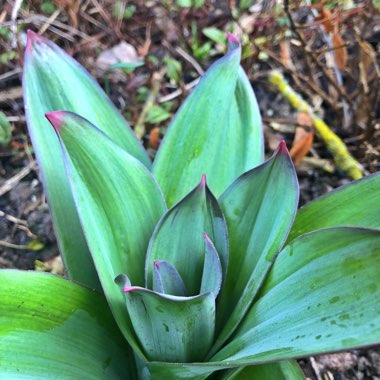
(11, 182)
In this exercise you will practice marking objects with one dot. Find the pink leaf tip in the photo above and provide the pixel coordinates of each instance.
(32, 37)
(56, 119)
(156, 263)
(203, 180)
(206, 237)
(282, 149)
(129, 288)
(232, 39)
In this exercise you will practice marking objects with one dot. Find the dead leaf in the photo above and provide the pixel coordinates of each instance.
(72, 8)
(154, 138)
(304, 119)
(303, 139)
(3, 15)
(325, 17)
(144, 50)
(286, 54)
(367, 64)
(340, 51)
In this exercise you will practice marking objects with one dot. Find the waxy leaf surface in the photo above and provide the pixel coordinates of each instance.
(178, 237)
(212, 275)
(285, 370)
(322, 295)
(356, 204)
(54, 81)
(167, 280)
(52, 328)
(259, 208)
(170, 328)
(118, 202)
(217, 131)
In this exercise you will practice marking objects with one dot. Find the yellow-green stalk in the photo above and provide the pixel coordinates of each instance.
(334, 144)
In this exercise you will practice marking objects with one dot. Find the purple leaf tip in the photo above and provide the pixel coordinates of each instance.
(232, 39)
(282, 149)
(156, 263)
(32, 37)
(56, 119)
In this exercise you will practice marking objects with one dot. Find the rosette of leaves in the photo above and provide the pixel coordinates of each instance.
(195, 278)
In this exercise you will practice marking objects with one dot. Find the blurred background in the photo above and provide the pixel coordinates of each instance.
(314, 66)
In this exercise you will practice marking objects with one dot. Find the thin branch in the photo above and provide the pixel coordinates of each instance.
(294, 29)
(10, 183)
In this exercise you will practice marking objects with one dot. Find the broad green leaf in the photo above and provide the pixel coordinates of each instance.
(178, 237)
(170, 328)
(118, 202)
(54, 81)
(356, 204)
(217, 131)
(322, 295)
(285, 370)
(259, 208)
(52, 328)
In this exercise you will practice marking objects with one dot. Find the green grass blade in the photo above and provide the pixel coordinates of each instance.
(52, 328)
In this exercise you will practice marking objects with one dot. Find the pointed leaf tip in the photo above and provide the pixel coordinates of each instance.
(56, 119)
(232, 39)
(32, 37)
(282, 149)
(206, 237)
(203, 180)
(128, 288)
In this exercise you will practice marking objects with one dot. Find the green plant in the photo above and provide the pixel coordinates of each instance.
(200, 50)
(5, 130)
(220, 284)
(190, 3)
(173, 68)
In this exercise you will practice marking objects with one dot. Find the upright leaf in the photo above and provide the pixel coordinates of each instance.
(217, 131)
(167, 280)
(356, 204)
(259, 216)
(212, 275)
(54, 81)
(118, 202)
(322, 295)
(47, 335)
(178, 237)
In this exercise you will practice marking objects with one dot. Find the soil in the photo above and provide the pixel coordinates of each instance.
(25, 224)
